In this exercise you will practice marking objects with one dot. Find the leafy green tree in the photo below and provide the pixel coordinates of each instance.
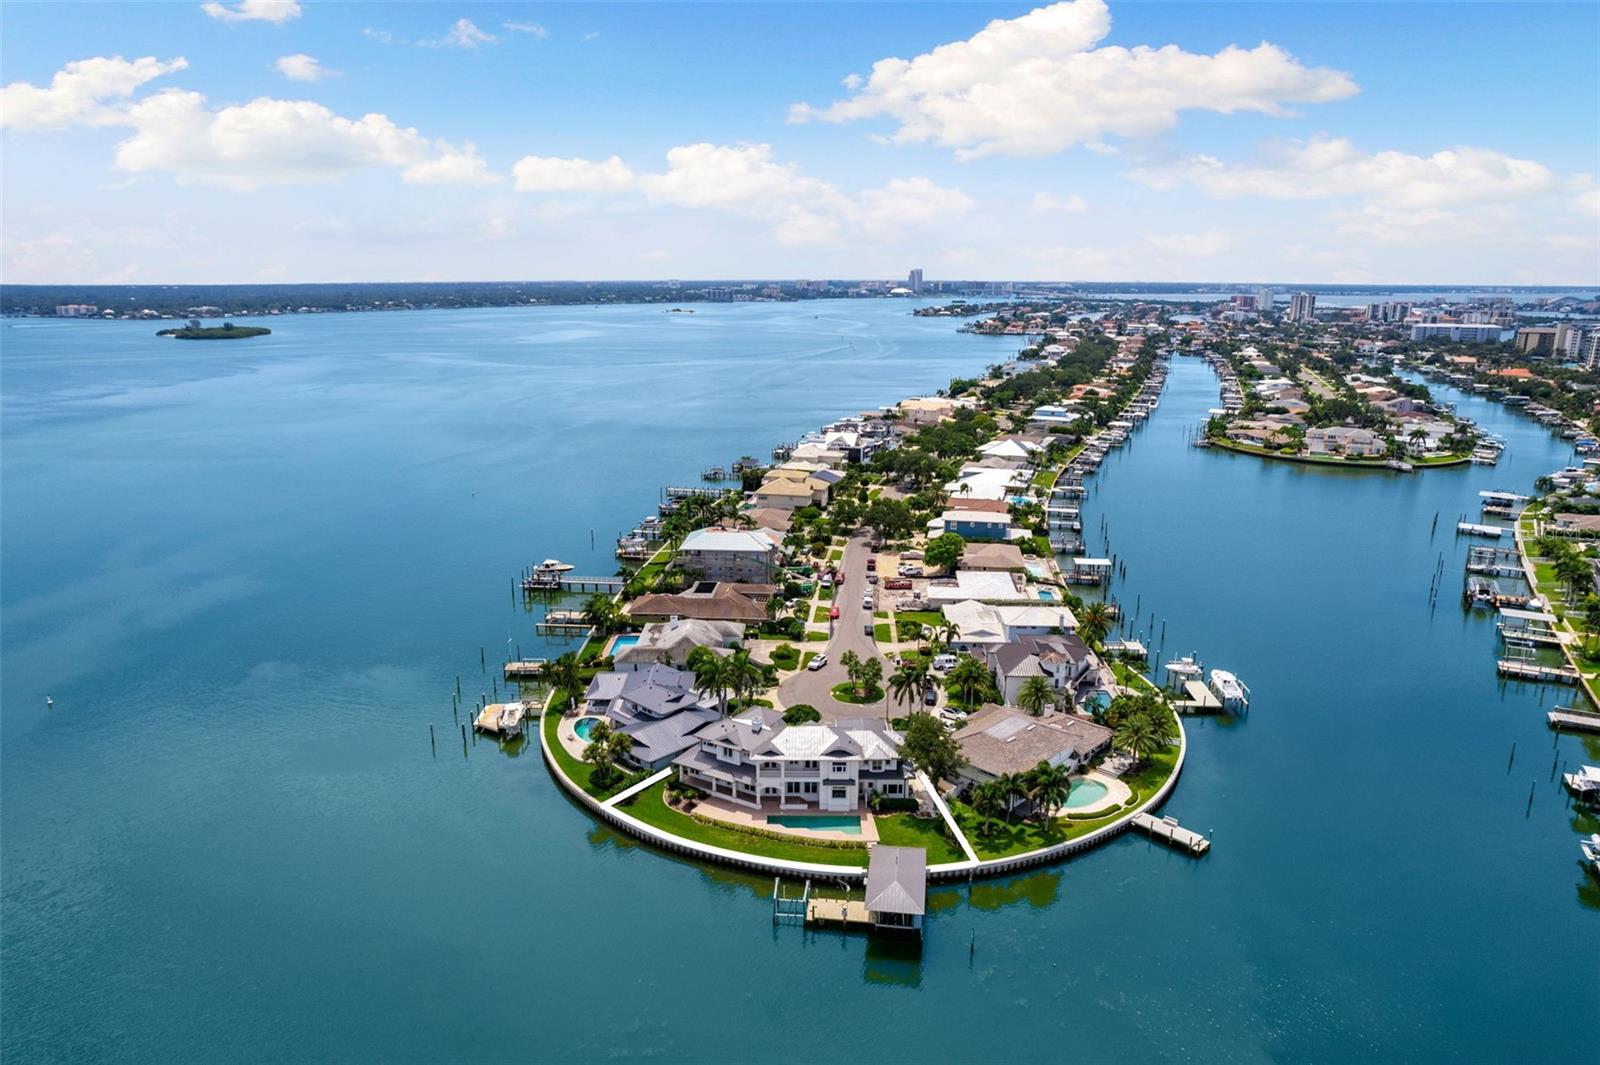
(929, 747)
(1138, 735)
(891, 519)
(801, 713)
(987, 803)
(564, 675)
(600, 612)
(1012, 786)
(944, 552)
(744, 675)
(713, 676)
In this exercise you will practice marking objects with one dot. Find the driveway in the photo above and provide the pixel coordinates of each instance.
(817, 688)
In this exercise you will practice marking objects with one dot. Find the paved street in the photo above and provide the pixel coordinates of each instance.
(817, 688)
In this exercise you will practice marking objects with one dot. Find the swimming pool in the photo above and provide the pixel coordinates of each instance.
(620, 642)
(850, 824)
(584, 727)
(1047, 595)
(1085, 793)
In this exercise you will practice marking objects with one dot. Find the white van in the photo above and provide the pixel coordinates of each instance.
(944, 663)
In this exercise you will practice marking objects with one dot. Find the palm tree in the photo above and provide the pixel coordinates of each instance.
(712, 676)
(1035, 695)
(1048, 787)
(744, 676)
(906, 684)
(600, 611)
(968, 681)
(1012, 786)
(1137, 734)
(564, 675)
(1094, 622)
(987, 801)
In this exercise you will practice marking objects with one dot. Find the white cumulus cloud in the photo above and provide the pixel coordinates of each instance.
(1038, 84)
(254, 11)
(536, 173)
(84, 92)
(301, 67)
(749, 181)
(1333, 168)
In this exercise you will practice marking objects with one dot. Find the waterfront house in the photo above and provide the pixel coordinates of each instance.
(657, 707)
(707, 600)
(1064, 661)
(669, 642)
(1014, 448)
(1344, 440)
(998, 740)
(985, 625)
(982, 482)
(769, 518)
(1006, 557)
(1055, 415)
(743, 556)
(756, 761)
(787, 488)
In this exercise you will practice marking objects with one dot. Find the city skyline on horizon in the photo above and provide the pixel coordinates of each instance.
(316, 143)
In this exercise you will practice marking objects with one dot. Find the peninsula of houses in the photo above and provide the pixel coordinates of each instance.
(872, 644)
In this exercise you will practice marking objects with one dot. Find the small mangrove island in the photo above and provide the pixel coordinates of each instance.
(226, 331)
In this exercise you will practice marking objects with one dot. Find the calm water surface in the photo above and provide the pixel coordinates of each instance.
(250, 575)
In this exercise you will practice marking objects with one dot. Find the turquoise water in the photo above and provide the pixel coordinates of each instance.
(618, 643)
(1085, 793)
(250, 578)
(584, 727)
(850, 826)
(1047, 595)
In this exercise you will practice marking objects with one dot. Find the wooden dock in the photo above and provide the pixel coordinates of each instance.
(1168, 831)
(1569, 719)
(1515, 670)
(525, 669)
(561, 583)
(501, 719)
(1470, 528)
(1201, 700)
(837, 913)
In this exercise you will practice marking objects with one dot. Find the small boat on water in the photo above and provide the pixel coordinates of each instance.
(714, 473)
(1591, 848)
(552, 565)
(1181, 670)
(1229, 690)
(1585, 783)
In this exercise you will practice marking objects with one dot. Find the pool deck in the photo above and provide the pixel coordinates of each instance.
(574, 743)
(746, 817)
(1116, 794)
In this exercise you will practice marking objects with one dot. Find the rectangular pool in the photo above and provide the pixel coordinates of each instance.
(849, 824)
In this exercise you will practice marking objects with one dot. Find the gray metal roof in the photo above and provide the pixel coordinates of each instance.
(897, 880)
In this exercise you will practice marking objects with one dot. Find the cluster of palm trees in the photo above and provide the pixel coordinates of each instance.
(865, 674)
(969, 682)
(1094, 622)
(606, 748)
(1141, 724)
(736, 674)
(1046, 786)
(601, 612)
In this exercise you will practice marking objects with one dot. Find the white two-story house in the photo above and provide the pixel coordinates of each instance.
(756, 761)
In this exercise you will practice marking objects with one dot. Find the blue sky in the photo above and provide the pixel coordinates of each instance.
(1393, 142)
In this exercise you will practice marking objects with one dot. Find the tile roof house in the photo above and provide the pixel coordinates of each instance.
(673, 640)
(707, 600)
(755, 760)
(1001, 739)
(992, 557)
(1065, 661)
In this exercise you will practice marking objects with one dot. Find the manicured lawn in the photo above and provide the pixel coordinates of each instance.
(880, 614)
(816, 637)
(1020, 836)
(650, 807)
(805, 659)
(820, 614)
(1045, 477)
(825, 594)
(785, 657)
(836, 555)
(846, 693)
(924, 617)
(882, 633)
(906, 830)
(579, 770)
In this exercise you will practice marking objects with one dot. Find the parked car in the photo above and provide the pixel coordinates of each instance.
(872, 563)
(872, 578)
(817, 663)
(833, 613)
(866, 602)
(944, 663)
(930, 697)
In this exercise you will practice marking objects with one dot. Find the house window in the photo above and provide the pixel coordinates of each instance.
(791, 787)
(810, 787)
(841, 767)
(839, 793)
